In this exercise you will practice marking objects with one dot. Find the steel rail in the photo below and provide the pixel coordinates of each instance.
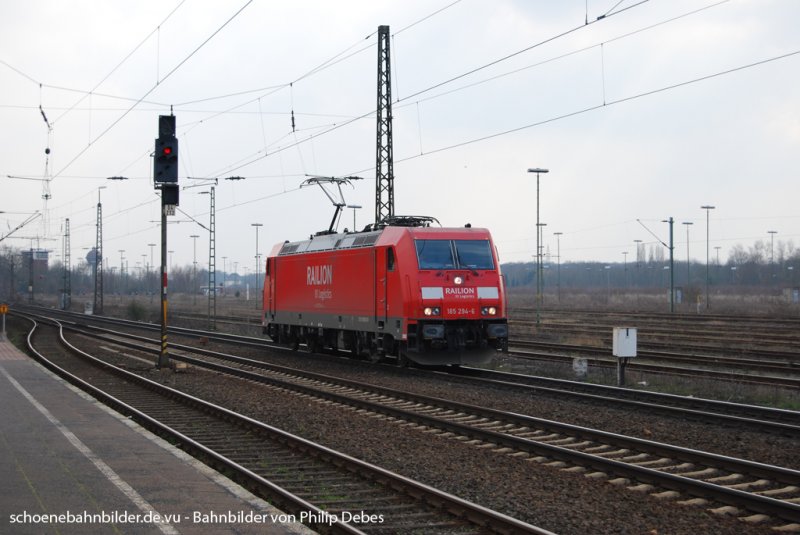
(774, 420)
(476, 514)
(753, 502)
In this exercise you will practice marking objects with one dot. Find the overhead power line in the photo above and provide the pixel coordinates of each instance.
(565, 55)
(526, 49)
(112, 71)
(607, 104)
(170, 73)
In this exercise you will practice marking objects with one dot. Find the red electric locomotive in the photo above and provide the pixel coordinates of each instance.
(430, 295)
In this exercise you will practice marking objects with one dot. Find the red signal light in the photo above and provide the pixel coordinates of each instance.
(166, 151)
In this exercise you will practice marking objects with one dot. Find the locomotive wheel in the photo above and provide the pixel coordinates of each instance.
(358, 347)
(402, 359)
(375, 356)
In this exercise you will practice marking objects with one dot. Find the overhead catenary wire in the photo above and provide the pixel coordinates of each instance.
(610, 103)
(400, 105)
(588, 109)
(126, 58)
(170, 73)
(522, 51)
(574, 113)
(318, 136)
(260, 156)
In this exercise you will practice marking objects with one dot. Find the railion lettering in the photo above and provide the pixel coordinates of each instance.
(319, 275)
(459, 291)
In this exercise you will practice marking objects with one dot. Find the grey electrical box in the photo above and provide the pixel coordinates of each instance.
(624, 344)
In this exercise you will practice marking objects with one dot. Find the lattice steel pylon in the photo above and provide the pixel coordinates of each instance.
(384, 160)
(97, 307)
(212, 266)
(67, 283)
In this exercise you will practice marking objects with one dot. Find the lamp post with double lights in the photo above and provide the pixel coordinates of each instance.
(538, 171)
(258, 270)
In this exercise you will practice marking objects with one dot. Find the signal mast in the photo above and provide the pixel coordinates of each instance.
(384, 158)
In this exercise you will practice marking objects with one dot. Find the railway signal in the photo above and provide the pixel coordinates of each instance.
(165, 178)
(165, 168)
(165, 161)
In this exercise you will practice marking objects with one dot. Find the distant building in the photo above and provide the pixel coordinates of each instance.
(40, 259)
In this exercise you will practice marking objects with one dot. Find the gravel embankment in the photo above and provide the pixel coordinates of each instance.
(563, 502)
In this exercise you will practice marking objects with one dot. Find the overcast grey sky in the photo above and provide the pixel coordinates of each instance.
(649, 112)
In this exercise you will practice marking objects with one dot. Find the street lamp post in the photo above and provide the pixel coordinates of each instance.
(707, 208)
(538, 171)
(194, 267)
(558, 265)
(688, 280)
(122, 286)
(257, 261)
(671, 222)
(224, 273)
(152, 292)
(354, 207)
(772, 253)
(625, 269)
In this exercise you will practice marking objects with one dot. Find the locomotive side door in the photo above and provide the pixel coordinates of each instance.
(381, 301)
(271, 278)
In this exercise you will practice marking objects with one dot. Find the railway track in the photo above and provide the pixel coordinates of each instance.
(555, 353)
(646, 466)
(780, 421)
(783, 422)
(706, 360)
(599, 357)
(733, 334)
(301, 477)
(787, 363)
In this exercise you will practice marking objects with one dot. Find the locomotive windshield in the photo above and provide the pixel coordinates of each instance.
(454, 254)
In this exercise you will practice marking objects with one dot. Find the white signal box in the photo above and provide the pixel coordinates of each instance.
(624, 344)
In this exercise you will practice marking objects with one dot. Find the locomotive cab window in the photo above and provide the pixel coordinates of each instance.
(435, 254)
(390, 259)
(454, 254)
(474, 254)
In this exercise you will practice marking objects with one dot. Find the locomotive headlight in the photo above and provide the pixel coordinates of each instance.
(431, 311)
(492, 311)
(458, 281)
(489, 311)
